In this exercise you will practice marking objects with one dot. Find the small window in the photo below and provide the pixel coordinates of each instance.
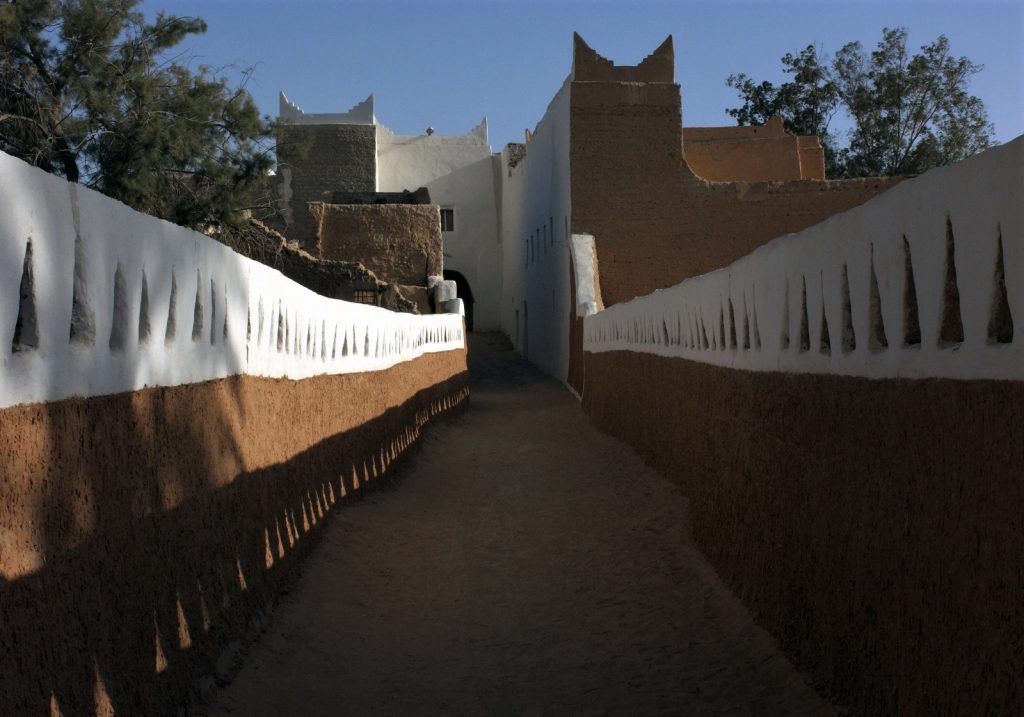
(447, 220)
(364, 296)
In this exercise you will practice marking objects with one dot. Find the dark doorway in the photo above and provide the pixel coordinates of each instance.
(464, 293)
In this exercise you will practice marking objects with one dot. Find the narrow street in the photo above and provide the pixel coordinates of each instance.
(522, 563)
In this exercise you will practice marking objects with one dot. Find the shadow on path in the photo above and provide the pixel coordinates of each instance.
(523, 564)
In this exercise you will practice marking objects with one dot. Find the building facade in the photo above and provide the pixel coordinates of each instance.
(610, 158)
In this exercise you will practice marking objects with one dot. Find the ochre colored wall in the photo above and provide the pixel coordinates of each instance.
(889, 564)
(400, 243)
(761, 153)
(145, 536)
(654, 221)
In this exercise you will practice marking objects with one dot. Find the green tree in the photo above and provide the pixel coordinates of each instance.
(91, 91)
(909, 112)
(806, 104)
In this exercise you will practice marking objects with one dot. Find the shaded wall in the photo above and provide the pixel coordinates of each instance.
(315, 160)
(843, 410)
(145, 536)
(873, 526)
(534, 224)
(333, 279)
(400, 243)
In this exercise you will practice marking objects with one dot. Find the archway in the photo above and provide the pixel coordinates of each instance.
(464, 292)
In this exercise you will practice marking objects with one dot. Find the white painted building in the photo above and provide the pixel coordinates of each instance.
(535, 221)
(460, 173)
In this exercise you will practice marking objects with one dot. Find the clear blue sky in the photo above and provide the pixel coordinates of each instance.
(448, 64)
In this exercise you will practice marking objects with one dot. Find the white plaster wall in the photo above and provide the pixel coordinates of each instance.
(536, 203)
(291, 113)
(983, 200)
(473, 248)
(413, 161)
(254, 320)
(584, 260)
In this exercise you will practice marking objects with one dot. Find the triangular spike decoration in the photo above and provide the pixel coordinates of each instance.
(720, 335)
(757, 331)
(746, 326)
(213, 313)
(119, 319)
(784, 340)
(1000, 321)
(83, 321)
(144, 326)
(172, 324)
(849, 337)
(480, 131)
(197, 310)
(732, 326)
(589, 66)
(26, 331)
(261, 315)
(805, 329)
(584, 55)
(662, 62)
(877, 340)
(279, 336)
(951, 330)
(911, 322)
(824, 339)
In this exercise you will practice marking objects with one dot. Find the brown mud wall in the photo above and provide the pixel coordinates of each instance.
(759, 153)
(875, 527)
(400, 243)
(654, 221)
(318, 160)
(145, 537)
(333, 279)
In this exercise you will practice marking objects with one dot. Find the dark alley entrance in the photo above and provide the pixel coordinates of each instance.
(464, 292)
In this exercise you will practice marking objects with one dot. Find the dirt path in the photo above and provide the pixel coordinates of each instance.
(522, 564)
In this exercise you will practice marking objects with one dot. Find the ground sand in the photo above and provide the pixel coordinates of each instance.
(520, 564)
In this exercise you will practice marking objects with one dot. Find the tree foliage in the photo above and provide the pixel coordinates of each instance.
(91, 91)
(909, 113)
(807, 103)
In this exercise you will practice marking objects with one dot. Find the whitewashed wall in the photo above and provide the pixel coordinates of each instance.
(535, 220)
(836, 297)
(119, 300)
(413, 161)
(361, 113)
(473, 249)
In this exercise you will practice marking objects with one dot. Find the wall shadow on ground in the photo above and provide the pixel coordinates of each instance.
(167, 529)
(875, 527)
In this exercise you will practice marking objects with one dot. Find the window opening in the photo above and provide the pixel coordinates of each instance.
(448, 220)
(365, 296)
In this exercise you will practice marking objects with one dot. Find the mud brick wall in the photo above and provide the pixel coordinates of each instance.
(400, 243)
(767, 152)
(873, 526)
(654, 220)
(333, 279)
(321, 159)
(145, 536)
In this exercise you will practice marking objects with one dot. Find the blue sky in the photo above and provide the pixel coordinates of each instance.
(448, 64)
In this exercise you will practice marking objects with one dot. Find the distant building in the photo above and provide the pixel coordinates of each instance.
(609, 158)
